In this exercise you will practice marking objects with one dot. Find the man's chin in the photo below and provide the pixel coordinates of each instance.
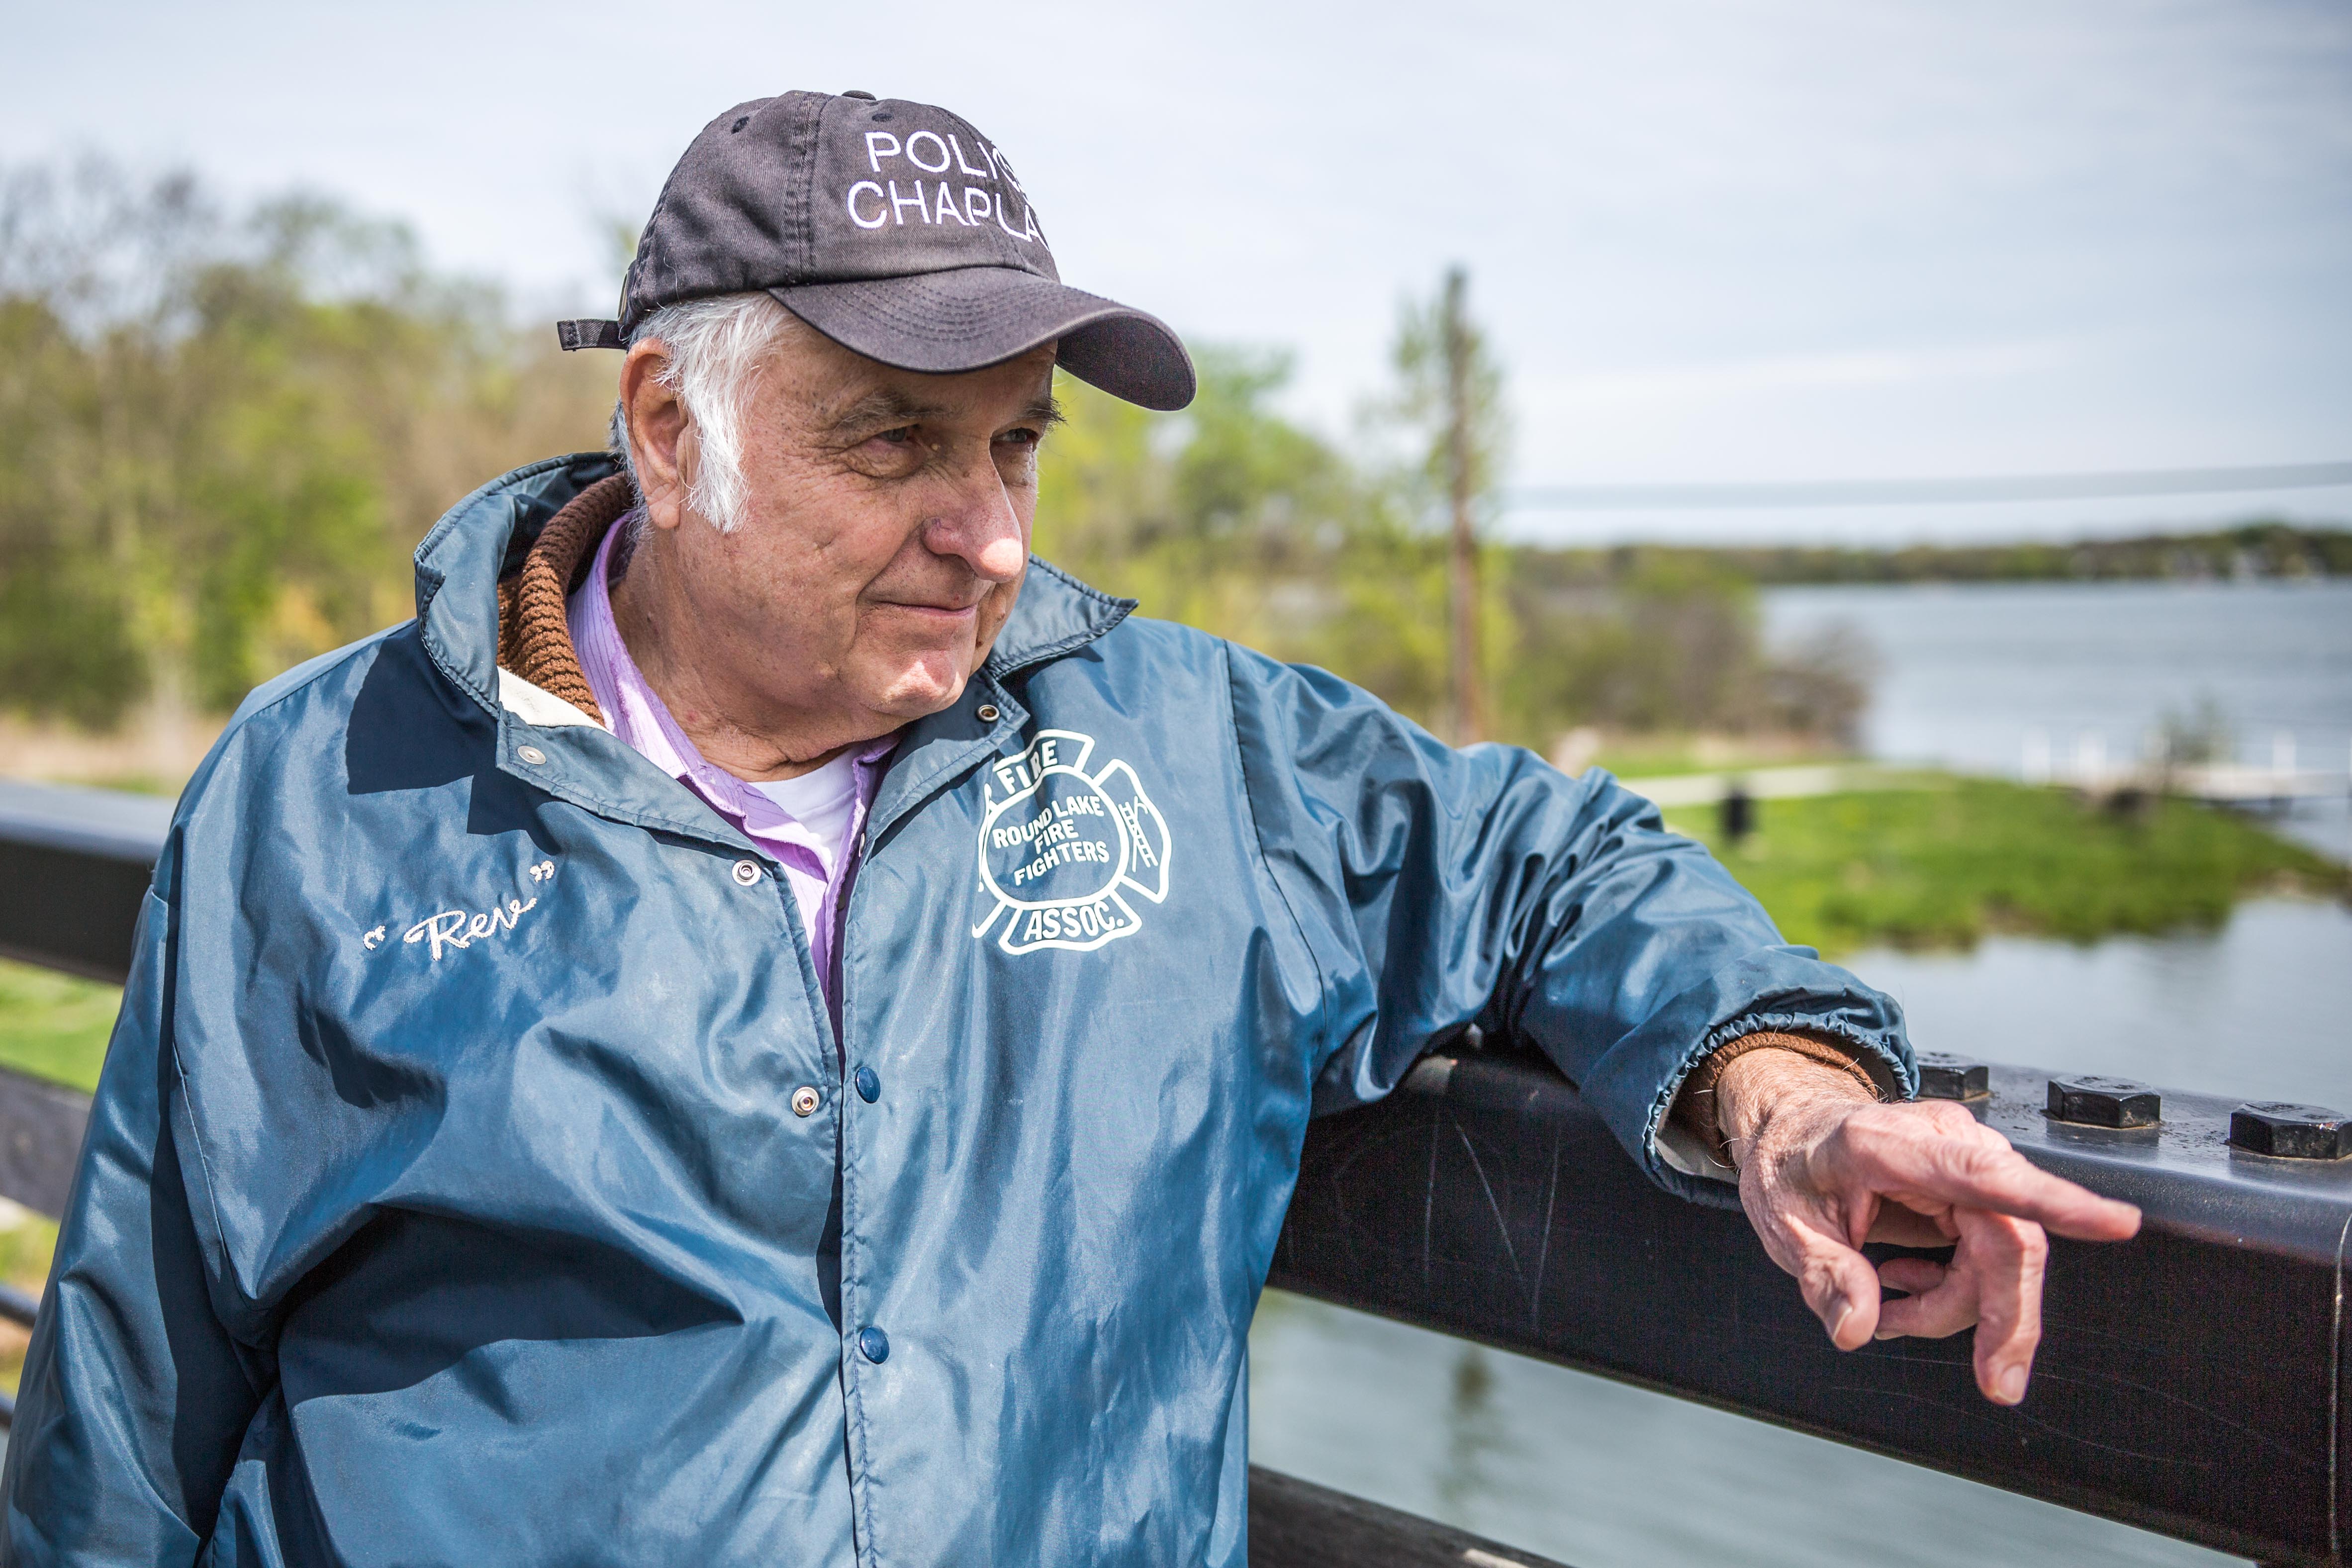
(923, 687)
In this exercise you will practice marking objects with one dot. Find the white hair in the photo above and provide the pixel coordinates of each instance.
(717, 348)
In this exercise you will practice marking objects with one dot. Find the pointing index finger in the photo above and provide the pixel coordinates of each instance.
(1977, 1169)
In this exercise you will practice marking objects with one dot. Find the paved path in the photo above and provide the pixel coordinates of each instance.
(1781, 783)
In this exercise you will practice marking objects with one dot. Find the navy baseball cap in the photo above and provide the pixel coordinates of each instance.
(894, 229)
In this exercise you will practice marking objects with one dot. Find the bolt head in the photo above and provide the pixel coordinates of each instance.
(2105, 1103)
(1943, 1076)
(2291, 1132)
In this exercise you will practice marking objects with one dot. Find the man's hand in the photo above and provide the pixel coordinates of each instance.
(1823, 1168)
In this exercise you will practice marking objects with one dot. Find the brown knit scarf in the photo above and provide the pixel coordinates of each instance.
(534, 639)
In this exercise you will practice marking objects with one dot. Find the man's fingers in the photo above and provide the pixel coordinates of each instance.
(1942, 1300)
(2006, 1257)
(1919, 1173)
(1916, 1276)
(1840, 1286)
(1919, 1148)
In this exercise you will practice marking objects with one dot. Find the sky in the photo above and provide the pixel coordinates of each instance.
(1714, 241)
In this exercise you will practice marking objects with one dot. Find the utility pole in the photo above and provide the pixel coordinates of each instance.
(1469, 705)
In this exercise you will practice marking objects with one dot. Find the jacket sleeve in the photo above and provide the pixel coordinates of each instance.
(133, 1399)
(1438, 888)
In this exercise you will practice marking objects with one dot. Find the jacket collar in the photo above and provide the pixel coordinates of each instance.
(486, 538)
(481, 540)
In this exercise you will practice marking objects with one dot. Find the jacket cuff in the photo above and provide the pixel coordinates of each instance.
(1694, 1167)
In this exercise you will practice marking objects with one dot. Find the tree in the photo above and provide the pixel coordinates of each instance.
(224, 434)
(1449, 410)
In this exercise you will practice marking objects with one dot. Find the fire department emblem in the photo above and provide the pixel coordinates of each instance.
(1062, 850)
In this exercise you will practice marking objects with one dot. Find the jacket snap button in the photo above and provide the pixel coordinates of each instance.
(874, 1345)
(987, 712)
(804, 1101)
(530, 754)
(746, 872)
(869, 1086)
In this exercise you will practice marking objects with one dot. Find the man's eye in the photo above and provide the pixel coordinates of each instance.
(1023, 437)
(901, 436)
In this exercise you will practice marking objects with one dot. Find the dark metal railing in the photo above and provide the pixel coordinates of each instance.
(2189, 1381)
(2192, 1381)
(74, 865)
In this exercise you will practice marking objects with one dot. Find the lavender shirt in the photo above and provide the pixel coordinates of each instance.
(819, 876)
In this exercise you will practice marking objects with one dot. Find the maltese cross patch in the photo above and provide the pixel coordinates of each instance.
(1063, 850)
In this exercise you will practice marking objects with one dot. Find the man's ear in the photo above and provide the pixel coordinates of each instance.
(662, 444)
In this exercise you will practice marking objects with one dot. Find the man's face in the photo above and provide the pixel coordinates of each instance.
(882, 540)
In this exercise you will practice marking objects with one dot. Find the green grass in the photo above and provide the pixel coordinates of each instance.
(54, 1026)
(142, 783)
(27, 1244)
(1941, 868)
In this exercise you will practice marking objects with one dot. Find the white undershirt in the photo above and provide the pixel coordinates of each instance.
(824, 801)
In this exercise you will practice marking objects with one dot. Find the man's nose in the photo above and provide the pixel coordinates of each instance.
(980, 526)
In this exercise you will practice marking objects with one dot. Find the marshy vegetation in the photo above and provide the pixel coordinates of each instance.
(1960, 859)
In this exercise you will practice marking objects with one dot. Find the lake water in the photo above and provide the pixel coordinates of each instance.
(1598, 1474)
(1595, 1474)
(2261, 1010)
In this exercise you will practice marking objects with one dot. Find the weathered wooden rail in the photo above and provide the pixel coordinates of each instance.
(2193, 1381)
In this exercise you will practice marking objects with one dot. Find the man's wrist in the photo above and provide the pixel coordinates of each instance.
(1772, 1086)
(1699, 1111)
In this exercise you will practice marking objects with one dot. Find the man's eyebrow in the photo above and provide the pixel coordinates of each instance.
(884, 407)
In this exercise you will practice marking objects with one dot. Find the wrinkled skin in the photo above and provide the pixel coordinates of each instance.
(1823, 1168)
(881, 546)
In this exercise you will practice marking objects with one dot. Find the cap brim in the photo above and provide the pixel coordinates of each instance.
(942, 323)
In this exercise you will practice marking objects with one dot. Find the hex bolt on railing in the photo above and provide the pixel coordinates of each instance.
(2105, 1103)
(1943, 1076)
(2287, 1132)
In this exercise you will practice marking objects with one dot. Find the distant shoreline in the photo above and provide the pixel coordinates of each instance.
(2258, 551)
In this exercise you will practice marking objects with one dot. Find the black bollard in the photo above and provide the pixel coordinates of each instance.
(1738, 813)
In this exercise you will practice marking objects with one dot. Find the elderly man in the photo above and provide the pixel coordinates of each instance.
(767, 1026)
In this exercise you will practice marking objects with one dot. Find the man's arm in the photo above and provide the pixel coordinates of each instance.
(133, 1399)
(1439, 887)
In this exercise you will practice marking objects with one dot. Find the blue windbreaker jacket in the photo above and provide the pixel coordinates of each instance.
(444, 1199)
